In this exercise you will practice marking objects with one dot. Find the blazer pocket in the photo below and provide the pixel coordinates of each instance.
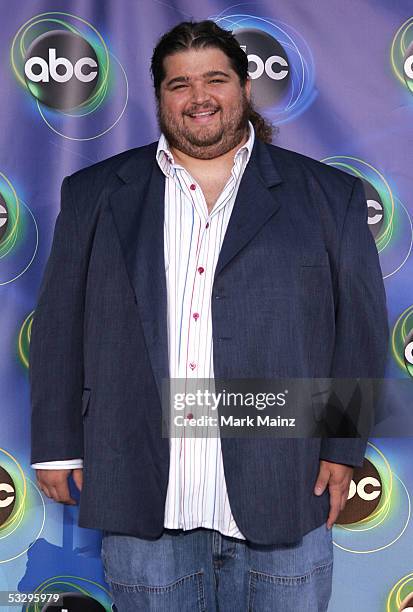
(85, 401)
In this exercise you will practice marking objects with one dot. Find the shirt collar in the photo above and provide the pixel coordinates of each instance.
(166, 161)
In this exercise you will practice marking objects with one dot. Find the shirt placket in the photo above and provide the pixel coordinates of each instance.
(197, 336)
(197, 362)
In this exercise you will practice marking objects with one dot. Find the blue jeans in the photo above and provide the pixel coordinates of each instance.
(202, 570)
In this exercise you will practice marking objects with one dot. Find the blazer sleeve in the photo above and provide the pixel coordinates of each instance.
(56, 344)
(362, 332)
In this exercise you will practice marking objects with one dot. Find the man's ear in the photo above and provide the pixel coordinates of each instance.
(247, 87)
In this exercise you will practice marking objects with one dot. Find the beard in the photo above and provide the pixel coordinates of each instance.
(204, 141)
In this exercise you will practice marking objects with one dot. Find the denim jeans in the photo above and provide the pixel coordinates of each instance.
(202, 570)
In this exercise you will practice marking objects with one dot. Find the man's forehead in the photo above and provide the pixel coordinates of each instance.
(193, 62)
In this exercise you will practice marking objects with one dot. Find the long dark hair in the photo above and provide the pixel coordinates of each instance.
(199, 35)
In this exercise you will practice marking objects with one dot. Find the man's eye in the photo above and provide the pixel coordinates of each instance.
(216, 81)
(179, 86)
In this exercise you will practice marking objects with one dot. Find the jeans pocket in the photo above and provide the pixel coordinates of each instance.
(294, 578)
(187, 594)
(308, 592)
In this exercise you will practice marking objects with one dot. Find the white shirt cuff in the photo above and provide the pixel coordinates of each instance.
(65, 464)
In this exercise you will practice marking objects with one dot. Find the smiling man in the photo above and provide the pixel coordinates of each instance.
(210, 253)
(203, 113)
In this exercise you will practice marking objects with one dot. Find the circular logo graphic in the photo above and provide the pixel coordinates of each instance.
(280, 64)
(364, 494)
(7, 495)
(401, 54)
(74, 602)
(408, 67)
(402, 341)
(18, 233)
(400, 598)
(375, 209)
(388, 218)
(61, 69)
(4, 217)
(78, 86)
(268, 66)
(408, 353)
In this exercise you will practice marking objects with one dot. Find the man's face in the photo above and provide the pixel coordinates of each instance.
(203, 110)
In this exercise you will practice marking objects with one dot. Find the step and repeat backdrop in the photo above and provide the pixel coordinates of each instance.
(337, 79)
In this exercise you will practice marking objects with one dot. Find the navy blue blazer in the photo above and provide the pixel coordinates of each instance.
(298, 292)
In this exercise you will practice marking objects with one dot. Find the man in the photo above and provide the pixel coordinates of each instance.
(210, 253)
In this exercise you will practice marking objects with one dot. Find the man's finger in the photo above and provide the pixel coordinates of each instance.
(344, 500)
(42, 485)
(335, 504)
(322, 481)
(53, 493)
(61, 493)
(44, 489)
(77, 475)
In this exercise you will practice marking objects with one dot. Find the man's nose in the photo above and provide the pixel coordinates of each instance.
(199, 93)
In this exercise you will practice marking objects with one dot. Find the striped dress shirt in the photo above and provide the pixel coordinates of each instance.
(197, 494)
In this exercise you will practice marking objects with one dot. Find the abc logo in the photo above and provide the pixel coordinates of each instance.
(408, 63)
(408, 353)
(7, 495)
(364, 494)
(268, 65)
(375, 209)
(61, 69)
(74, 602)
(4, 217)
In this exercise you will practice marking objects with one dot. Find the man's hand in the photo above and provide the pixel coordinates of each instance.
(54, 484)
(338, 477)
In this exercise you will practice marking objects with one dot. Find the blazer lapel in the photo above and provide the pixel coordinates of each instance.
(138, 211)
(254, 203)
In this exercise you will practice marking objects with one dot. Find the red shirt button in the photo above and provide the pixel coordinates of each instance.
(190, 415)
(207, 225)
(196, 316)
(192, 187)
(200, 269)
